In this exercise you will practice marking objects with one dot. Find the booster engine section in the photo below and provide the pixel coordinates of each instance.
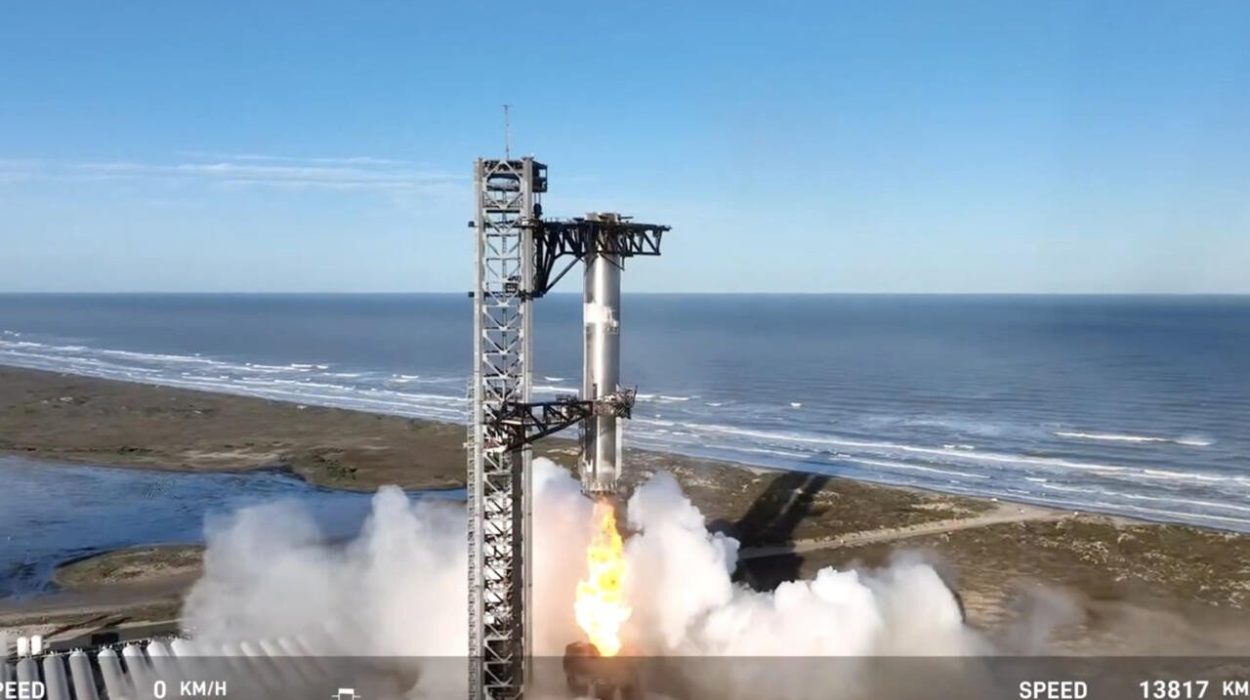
(601, 369)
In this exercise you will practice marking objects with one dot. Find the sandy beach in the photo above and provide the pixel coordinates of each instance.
(1106, 579)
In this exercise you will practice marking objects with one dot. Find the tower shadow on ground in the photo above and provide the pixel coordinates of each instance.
(771, 520)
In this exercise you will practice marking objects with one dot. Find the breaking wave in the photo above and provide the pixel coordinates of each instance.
(1145, 476)
(1116, 437)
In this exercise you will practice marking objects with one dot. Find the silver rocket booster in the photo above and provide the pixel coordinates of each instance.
(601, 370)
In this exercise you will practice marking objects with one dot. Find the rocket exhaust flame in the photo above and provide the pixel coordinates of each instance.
(600, 607)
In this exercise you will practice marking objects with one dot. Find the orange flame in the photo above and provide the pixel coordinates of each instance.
(600, 606)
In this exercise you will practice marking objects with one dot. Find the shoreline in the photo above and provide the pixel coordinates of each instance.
(247, 455)
(1117, 571)
(318, 471)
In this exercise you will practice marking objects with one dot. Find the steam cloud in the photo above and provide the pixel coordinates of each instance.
(399, 589)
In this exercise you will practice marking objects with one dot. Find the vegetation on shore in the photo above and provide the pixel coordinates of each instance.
(1105, 567)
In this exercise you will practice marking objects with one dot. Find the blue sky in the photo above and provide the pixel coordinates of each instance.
(811, 147)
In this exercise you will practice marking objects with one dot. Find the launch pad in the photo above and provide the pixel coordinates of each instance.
(519, 257)
(589, 675)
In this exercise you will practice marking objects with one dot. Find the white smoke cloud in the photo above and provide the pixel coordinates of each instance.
(399, 589)
(686, 603)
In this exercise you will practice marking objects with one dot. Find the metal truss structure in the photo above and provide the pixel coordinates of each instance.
(577, 238)
(498, 500)
(520, 424)
(516, 255)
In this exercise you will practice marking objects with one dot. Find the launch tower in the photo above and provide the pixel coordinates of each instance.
(519, 257)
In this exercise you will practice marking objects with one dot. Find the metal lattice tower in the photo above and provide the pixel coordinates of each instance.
(499, 473)
(518, 256)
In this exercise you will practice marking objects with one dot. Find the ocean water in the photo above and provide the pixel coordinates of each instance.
(1137, 406)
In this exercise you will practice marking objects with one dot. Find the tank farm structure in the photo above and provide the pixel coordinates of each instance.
(519, 257)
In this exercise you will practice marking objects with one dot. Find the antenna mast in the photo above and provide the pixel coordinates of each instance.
(507, 134)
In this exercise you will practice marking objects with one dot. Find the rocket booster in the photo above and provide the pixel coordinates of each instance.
(601, 371)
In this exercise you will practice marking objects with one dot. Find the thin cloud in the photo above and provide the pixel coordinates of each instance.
(258, 171)
(307, 160)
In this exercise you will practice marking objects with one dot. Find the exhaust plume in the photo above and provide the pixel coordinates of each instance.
(399, 588)
(600, 605)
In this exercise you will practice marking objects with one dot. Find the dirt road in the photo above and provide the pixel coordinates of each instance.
(1004, 513)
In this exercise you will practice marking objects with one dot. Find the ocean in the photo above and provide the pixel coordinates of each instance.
(1136, 406)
